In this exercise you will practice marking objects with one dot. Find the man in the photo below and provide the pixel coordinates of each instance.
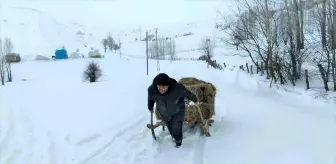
(169, 96)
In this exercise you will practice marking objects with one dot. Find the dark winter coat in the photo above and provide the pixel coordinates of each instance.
(172, 101)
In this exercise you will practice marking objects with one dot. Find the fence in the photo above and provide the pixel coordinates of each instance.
(260, 69)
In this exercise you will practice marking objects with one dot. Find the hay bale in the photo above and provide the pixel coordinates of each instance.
(192, 81)
(204, 92)
(192, 114)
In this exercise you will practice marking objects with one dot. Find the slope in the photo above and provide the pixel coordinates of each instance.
(48, 115)
(60, 119)
(35, 31)
(38, 28)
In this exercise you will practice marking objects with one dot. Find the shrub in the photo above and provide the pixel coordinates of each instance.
(92, 72)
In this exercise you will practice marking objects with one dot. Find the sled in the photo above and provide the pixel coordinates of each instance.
(204, 125)
(196, 115)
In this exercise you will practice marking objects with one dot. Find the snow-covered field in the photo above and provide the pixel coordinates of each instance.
(48, 115)
(53, 117)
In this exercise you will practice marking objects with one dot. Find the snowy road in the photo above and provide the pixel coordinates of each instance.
(49, 116)
(257, 127)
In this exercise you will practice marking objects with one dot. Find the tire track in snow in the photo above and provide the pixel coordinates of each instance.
(7, 136)
(117, 135)
(36, 143)
(190, 151)
(51, 150)
(88, 139)
(21, 141)
(198, 155)
(134, 145)
(199, 150)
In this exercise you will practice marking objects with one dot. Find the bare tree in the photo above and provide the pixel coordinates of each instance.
(116, 47)
(333, 40)
(207, 47)
(171, 49)
(164, 48)
(8, 47)
(269, 38)
(105, 44)
(110, 42)
(2, 64)
(325, 45)
(293, 37)
(269, 34)
(248, 31)
(2, 69)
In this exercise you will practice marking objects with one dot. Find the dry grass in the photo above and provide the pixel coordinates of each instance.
(193, 116)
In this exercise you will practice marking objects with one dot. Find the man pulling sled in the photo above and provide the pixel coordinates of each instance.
(169, 96)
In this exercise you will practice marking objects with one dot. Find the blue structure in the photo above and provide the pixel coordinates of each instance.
(61, 54)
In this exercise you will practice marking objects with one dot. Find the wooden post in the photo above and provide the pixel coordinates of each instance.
(248, 71)
(251, 70)
(147, 50)
(307, 81)
(324, 78)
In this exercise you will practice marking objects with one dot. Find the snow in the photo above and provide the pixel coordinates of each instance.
(49, 115)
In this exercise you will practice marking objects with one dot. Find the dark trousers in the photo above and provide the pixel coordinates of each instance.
(175, 125)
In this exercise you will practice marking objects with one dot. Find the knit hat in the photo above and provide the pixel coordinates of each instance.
(162, 79)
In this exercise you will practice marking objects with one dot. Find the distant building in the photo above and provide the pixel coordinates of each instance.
(12, 58)
(61, 54)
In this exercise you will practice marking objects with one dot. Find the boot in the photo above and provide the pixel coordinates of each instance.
(178, 143)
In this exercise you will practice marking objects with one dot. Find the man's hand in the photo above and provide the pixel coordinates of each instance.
(198, 103)
(192, 103)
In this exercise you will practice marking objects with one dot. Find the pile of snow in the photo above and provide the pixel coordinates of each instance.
(40, 57)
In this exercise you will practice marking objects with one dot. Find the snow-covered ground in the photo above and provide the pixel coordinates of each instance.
(53, 117)
(48, 115)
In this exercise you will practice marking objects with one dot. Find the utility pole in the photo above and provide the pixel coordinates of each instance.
(157, 50)
(147, 50)
(140, 31)
(119, 47)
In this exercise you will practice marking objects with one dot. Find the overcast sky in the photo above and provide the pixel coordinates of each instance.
(127, 13)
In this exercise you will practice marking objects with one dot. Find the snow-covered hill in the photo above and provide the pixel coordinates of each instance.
(48, 115)
(38, 28)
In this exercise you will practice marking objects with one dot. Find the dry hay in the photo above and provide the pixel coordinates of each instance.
(186, 81)
(190, 81)
(205, 92)
(192, 114)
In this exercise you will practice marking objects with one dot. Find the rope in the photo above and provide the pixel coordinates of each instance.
(200, 112)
